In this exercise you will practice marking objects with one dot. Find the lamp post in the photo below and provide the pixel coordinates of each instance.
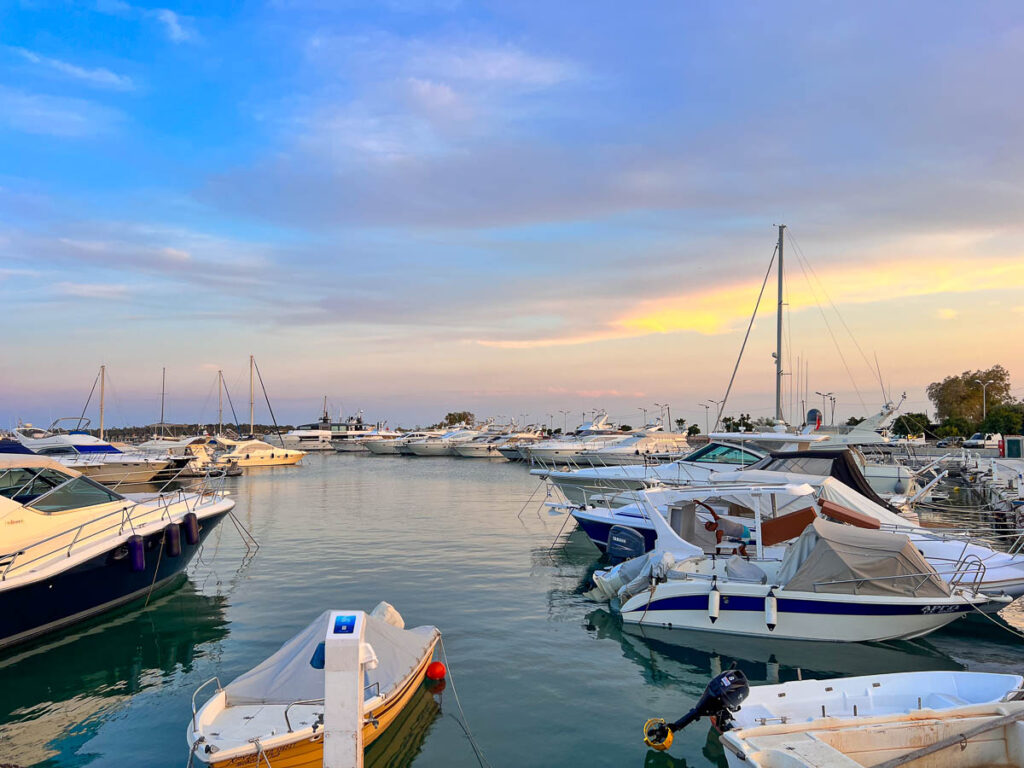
(565, 416)
(984, 396)
(707, 410)
(641, 408)
(718, 416)
(663, 409)
(551, 416)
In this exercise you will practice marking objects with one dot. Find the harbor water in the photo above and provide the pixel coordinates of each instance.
(544, 677)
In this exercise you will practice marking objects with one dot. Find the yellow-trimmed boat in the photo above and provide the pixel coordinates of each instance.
(274, 713)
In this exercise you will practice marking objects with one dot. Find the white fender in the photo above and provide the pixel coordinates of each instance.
(771, 611)
(714, 601)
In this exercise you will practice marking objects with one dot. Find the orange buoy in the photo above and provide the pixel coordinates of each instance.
(436, 671)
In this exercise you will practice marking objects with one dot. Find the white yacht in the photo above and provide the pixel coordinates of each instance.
(646, 446)
(326, 435)
(69, 441)
(593, 435)
(443, 445)
(251, 452)
(488, 445)
(394, 446)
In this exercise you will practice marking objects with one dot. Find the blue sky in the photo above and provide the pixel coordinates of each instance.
(417, 206)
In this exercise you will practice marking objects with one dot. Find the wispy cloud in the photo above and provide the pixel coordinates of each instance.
(174, 25)
(92, 290)
(55, 115)
(98, 77)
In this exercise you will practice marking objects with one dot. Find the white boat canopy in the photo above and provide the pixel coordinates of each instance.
(295, 672)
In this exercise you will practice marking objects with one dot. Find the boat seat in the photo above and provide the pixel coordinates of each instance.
(743, 570)
(786, 527)
(944, 700)
(843, 514)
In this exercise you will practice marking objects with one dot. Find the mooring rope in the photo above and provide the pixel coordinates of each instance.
(464, 723)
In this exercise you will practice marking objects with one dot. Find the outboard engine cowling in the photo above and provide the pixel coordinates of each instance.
(723, 696)
(625, 543)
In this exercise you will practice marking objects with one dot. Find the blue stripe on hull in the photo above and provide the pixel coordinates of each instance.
(794, 605)
(92, 587)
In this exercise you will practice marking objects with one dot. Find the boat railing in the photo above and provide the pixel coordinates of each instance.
(119, 519)
(311, 702)
(196, 693)
(957, 577)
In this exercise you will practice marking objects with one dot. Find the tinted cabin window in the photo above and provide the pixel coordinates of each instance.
(802, 466)
(80, 492)
(26, 484)
(725, 454)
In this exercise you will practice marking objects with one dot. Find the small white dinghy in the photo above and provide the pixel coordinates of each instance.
(919, 719)
(273, 714)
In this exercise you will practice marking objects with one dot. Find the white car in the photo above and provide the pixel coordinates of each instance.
(983, 440)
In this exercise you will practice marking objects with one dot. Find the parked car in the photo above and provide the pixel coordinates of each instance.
(950, 442)
(983, 440)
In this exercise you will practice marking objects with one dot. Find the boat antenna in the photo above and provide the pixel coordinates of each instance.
(163, 393)
(764, 283)
(252, 422)
(778, 334)
(267, 398)
(220, 401)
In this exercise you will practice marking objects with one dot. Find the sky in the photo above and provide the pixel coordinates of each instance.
(515, 208)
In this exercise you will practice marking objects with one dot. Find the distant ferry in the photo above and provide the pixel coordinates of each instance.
(326, 435)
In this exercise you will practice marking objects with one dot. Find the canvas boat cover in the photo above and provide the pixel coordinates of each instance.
(866, 562)
(844, 468)
(289, 675)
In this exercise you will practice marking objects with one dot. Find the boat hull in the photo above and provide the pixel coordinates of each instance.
(120, 473)
(383, 447)
(799, 615)
(308, 752)
(96, 585)
(430, 449)
(477, 452)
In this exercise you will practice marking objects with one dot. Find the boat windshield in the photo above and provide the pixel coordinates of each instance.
(75, 493)
(24, 484)
(718, 453)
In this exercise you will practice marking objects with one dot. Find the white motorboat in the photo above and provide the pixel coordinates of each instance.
(833, 583)
(76, 448)
(247, 453)
(648, 446)
(592, 435)
(944, 718)
(488, 446)
(443, 445)
(71, 548)
(341, 436)
(514, 448)
(393, 446)
(274, 713)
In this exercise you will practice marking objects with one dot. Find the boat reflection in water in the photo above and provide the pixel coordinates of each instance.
(399, 745)
(56, 693)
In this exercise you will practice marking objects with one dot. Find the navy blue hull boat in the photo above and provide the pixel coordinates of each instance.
(71, 549)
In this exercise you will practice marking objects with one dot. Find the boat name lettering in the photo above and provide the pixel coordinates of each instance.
(939, 609)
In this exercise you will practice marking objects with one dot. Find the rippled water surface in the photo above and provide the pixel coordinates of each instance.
(545, 677)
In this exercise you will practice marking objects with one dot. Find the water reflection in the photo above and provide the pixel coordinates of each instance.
(402, 742)
(55, 693)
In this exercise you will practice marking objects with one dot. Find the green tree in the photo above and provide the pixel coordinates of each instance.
(680, 424)
(733, 424)
(458, 417)
(954, 427)
(693, 430)
(853, 421)
(961, 396)
(1004, 419)
(625, 428)
(911, 424)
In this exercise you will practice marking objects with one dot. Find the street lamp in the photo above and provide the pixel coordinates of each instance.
(565, 415)
(550, 417)
(984, 392)
(707, 409)
(641, 408)
(665, 409)
(718, 415)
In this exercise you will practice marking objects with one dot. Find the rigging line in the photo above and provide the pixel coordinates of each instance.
(721, 408)
(89, 399)
(853, 338)
(267, 398)
(451, 678)
(789, 344)
(233, 414)
(803, 266)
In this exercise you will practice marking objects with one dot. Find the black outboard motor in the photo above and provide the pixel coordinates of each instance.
(624, 543)
(720, 699)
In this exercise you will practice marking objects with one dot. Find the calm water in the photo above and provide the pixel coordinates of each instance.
(545, 677)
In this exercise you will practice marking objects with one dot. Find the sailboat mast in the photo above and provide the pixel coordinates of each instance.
(163, 393)
(103, 387)
(252, 394)
(778, 338)
(220, 402)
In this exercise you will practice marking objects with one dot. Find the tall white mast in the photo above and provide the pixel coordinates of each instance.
(252, 395)
(778, 340)
(163, 392)
(220, 402)
(103, 386)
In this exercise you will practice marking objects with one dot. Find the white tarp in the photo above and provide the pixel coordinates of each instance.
(289, 675)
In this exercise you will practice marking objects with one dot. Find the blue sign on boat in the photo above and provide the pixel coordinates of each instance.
(344, 625)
